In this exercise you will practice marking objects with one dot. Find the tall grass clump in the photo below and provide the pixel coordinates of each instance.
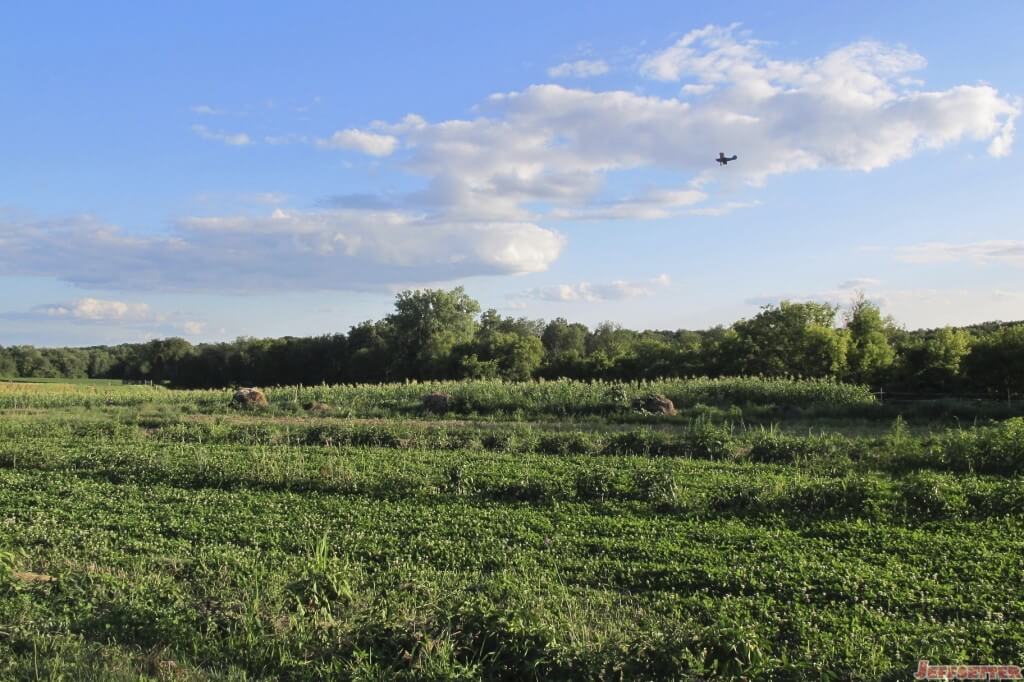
(997, 449)
(773, 446)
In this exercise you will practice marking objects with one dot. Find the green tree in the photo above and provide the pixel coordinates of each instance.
(518, 356)
(504, 347)
(101, 363)
(610, 339)
(871, 354)
(791, 338)
(996, 361)
(424, 329)
(562, 339)
(166, 358)
(71, 363)
(468, 365)
(369, 357)
(932, 362)
(565, 347)
(946, 351)
(607, 347)
(652, 354)
(31, 362)
(8, 367)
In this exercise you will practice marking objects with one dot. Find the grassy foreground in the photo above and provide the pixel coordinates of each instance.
(147, 533)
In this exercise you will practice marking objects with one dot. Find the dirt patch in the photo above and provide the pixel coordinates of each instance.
(29, 577)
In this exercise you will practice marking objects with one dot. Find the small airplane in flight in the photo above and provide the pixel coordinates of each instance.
(723, 159)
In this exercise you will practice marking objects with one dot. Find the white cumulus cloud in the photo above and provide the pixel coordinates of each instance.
(488, 186)
(859, 283)
(233, 139)
(546, 152)
(552, 147)
(93, 309)
(295, 250)
(582, 68)
(697, 88)
(373, 144)
(587, 292)
(206, 110)
(107, 312)
(984, 252)
(656, 204)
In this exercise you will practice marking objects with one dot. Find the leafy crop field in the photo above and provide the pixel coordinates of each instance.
(775, 530)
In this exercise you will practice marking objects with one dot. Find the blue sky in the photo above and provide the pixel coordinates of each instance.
(223, 169)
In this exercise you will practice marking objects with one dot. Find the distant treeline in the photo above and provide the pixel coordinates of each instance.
(437, 334)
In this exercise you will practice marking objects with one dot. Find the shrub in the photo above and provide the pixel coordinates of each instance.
(595, 484)
(704, 440)
(657, 485)
(508, 441)
(932, 496)
(774, 447)
(847, 496)
(455, 480)
(737, 496)
(566, 443)
(642, 442)
(989, 450)
(523, 490)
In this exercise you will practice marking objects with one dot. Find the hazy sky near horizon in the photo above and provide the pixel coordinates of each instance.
(265, 169)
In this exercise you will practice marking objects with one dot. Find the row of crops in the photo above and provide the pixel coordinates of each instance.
(562, 397)
(151, 540)
(996, 448)
(670, 486)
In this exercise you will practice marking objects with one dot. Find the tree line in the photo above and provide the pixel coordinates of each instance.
(439, 334)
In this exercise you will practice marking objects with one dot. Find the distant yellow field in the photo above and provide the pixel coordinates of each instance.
(23, 394)
(33, 388)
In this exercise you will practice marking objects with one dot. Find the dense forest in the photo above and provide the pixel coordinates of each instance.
(437, 334)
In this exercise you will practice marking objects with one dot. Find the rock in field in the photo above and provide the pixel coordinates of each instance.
(654, 404)
(317, 409)
(438, 403)
(249, 398)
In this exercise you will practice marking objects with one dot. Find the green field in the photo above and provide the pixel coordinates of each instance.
(59, 380)
(773, 529)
